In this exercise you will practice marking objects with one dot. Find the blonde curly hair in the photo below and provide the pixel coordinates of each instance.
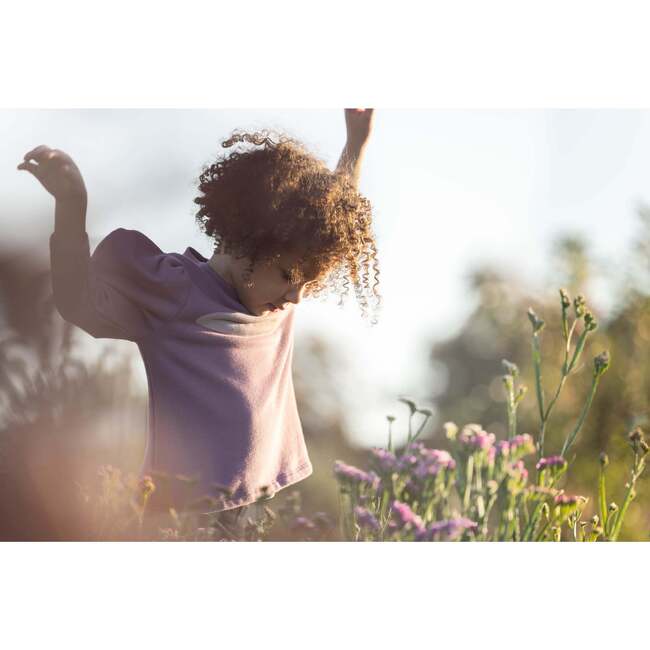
(275, 196)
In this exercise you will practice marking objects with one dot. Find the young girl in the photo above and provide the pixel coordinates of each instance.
(216, 336)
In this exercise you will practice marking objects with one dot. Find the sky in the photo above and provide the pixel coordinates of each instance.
(450, 189)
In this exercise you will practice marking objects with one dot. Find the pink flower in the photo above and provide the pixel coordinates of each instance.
(366, 519)
(550, 461)
(405, 516)
(450, 529)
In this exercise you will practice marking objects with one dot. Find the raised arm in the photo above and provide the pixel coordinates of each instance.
(358, 124)
(61, 177)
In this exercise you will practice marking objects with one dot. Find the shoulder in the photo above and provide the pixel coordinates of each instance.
(130, 252)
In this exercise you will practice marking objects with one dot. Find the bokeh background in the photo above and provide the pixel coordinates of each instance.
(478, 215)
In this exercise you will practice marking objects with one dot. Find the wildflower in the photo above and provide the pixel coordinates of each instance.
(536, 322)
(406, 462)
(451, 430)
(410, 403)
(473, 436)
(366, 519)
(502, 448)
(522, 445)
(604, 459)
(637, 441)
(351, 474)
(385, 460)
(521, 391)
(518, 470)
(432, 461)
(303, 523)
(601, 363)
(449, 528)
(550, 461)
(415, 447)
(590, 323)
(510, 368)
(612, 507)
(568, 500)
(322, 520)
(405, 516)
(566, 301)
(579, 305)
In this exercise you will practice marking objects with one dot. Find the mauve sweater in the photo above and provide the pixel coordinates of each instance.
(222, 406)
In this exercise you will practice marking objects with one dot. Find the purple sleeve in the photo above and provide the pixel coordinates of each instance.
(123, 291)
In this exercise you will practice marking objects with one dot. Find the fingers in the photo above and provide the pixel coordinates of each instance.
(30, 167)
(38, 153)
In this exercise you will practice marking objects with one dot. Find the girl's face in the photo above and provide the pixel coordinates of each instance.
(271, 291)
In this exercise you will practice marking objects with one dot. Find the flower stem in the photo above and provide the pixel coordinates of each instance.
(569, 441)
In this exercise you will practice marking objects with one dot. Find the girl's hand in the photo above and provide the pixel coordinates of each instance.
(358, 122)
(57, 173)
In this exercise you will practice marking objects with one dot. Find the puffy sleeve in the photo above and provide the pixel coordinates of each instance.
(126, 289)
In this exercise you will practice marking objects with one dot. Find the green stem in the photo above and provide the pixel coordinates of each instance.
(629, 495)
(537, 363)
(569, 441)
(602, 498)
(421, 427)
(578, 351)
(468, 483)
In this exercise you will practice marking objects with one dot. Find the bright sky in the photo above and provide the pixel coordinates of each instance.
(449, 188)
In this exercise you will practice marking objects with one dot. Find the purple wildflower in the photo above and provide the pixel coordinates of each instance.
(503, 448)
(550, 461)
(522, 445)
(567, 499)
(366, 519)
(474, 437)
(302, 522)
(439, 456)
(406, 462)
(449, 528)
(353, 474)
(406, 516)
(519, 470)
(415, 447)
(432, 461)
(385, 460)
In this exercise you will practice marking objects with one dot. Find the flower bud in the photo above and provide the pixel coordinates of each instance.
(410, 403)
(579, 305)
(612, 507)
(601, 363)
(595, 520)
(564, 298)
(510, 368)
(590, 323)
(535, 321)
(637, 441)
(604, 459)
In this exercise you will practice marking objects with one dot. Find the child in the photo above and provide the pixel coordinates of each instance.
(216, 336)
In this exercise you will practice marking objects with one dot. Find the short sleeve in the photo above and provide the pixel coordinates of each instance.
(127, 288)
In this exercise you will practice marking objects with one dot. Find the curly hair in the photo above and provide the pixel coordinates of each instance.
(261, 201)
